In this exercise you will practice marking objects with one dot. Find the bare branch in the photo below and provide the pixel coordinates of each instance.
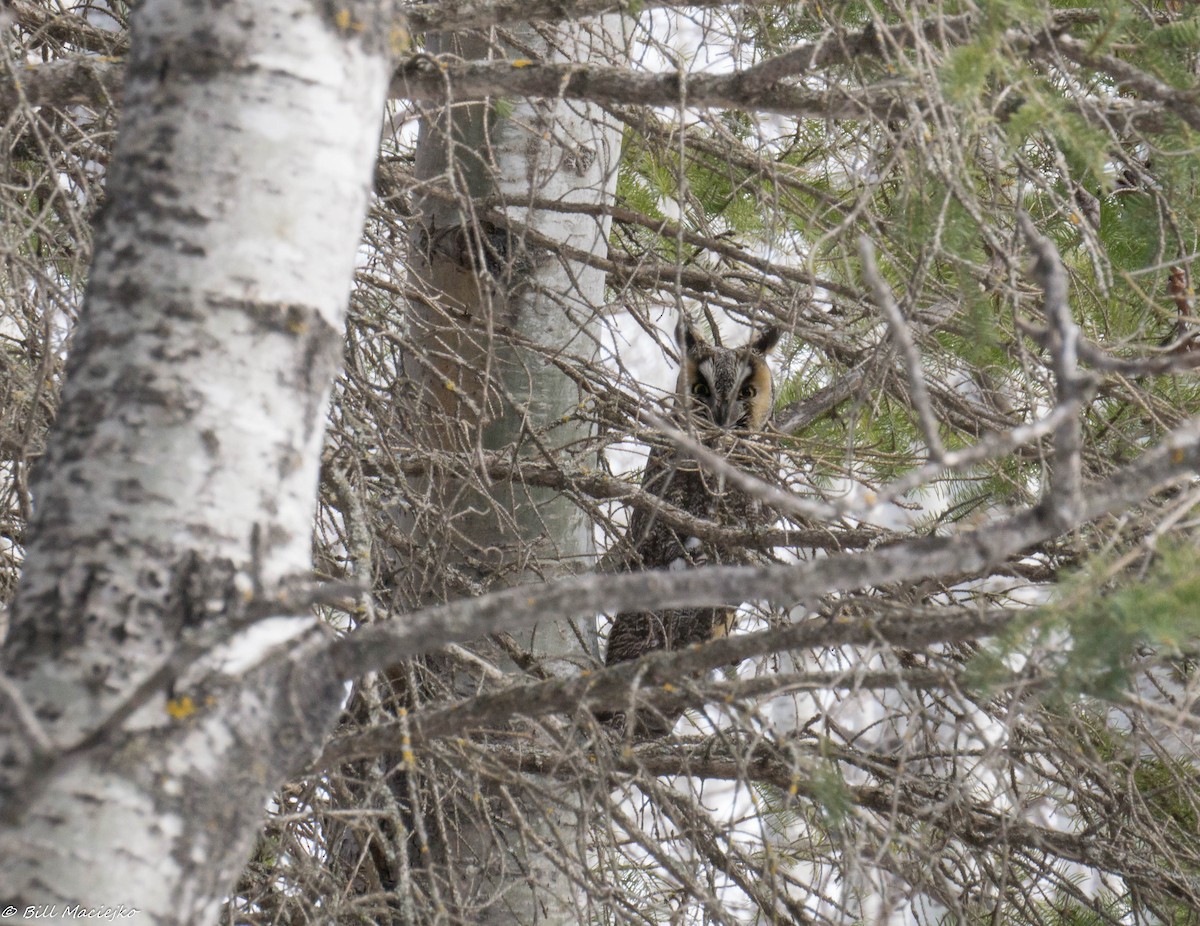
(658, 675)
(1066, 477)
(596, 485)
(991, 447)
(27, 721)
(69, 28)
(431, 80)
(908, 349)
(953, 812)
(1156, 365)
(1181, 103)
(379, 645)
(64, 82)
(785, 502)
(475, 14)
(804, 412)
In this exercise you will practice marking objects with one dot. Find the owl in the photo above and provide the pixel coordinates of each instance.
(725, 397)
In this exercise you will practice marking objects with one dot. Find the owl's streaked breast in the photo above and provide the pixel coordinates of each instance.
(725, 396)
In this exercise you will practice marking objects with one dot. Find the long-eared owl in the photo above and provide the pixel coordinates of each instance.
(725, 397)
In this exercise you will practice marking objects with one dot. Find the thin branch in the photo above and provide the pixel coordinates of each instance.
(1066, 475)
(785, 502)
(1157, 365)
(398, 180)
(839, 49)
(612, 685)
(908, 349)
(420, 17)
(439, 80)
(27, 721)
(803, 412)
(383, 644)
(689, 817)
(1171, 360)
(473, 14)
(989, 448)
(447, 79)
(66, 27)
(1181, 103)
(948, 808)
(431, 79)
(64, 82)
(599, 486)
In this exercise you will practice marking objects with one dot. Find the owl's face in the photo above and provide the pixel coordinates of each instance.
(731, 388)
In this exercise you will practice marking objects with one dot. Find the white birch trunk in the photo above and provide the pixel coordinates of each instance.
(487, 384)
(178, 489)
(480, 386)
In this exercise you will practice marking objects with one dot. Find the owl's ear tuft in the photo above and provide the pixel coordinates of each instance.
(765, 342)
(685, 336)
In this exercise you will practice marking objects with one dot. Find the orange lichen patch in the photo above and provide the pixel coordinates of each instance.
(180, 708)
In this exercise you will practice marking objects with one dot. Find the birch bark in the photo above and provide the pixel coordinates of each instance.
(175, 500)
(497, 308)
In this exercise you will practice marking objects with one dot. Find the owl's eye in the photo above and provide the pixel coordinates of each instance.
(700, 389)
(749, 391)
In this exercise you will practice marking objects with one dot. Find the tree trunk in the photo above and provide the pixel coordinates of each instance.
(498, 311)
(175, 501)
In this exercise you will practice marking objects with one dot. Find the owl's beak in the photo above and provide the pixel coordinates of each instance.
(727, 414)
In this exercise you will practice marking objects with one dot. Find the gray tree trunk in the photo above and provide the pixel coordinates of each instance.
(175, 501)
(498, 306)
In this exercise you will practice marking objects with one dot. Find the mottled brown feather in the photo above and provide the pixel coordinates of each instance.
(725, 396)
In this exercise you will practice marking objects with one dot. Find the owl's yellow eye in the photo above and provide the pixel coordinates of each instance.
(700, 389)
(749, 391)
